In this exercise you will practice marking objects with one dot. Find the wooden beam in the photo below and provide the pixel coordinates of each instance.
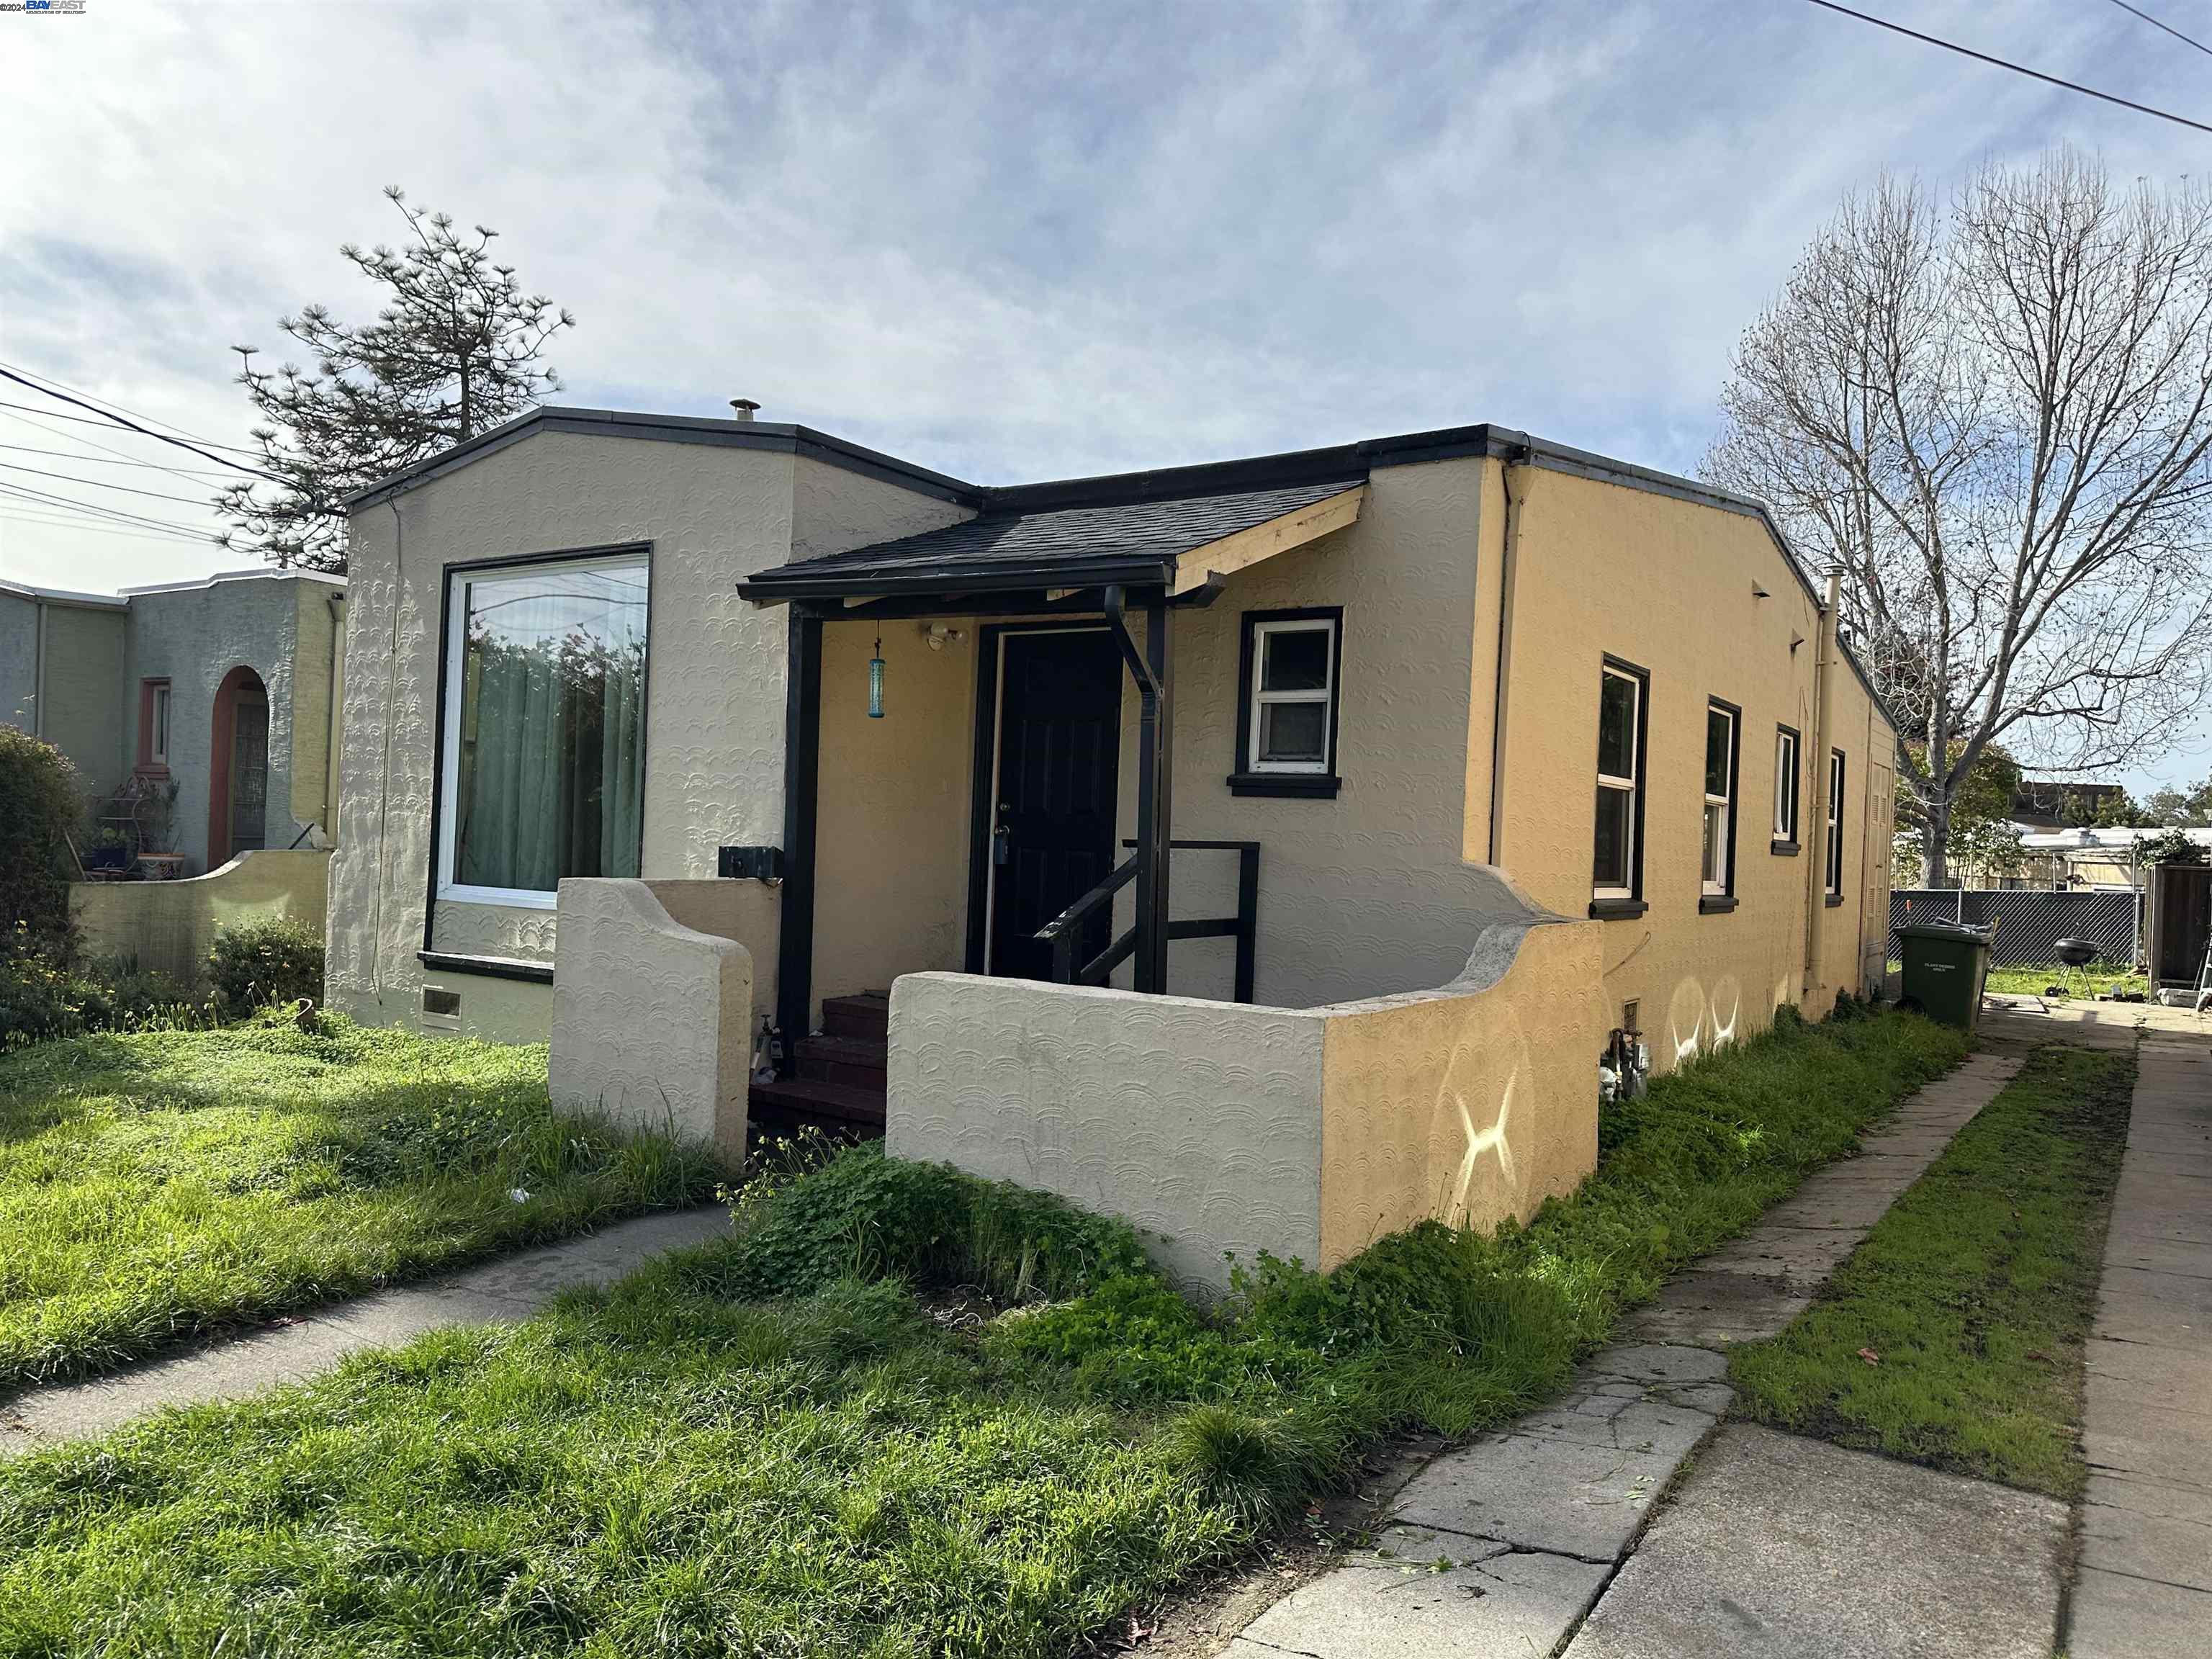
(1248, 547)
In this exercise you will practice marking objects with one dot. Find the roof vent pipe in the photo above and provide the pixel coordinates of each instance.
(744, 407)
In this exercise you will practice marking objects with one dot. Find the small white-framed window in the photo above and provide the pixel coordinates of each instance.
(1617, 852)
(1717, 857)
(542, 769)
(1290, 722)
(1835, 848)
(1786, 786)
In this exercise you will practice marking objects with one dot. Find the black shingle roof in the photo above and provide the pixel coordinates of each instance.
(1075, 546)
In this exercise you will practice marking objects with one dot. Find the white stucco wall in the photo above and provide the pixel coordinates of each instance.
(714, 768)
(651, 1018)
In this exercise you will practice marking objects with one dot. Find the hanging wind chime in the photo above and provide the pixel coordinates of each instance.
(876, 679)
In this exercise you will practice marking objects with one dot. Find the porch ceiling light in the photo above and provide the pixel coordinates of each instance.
(876, 679)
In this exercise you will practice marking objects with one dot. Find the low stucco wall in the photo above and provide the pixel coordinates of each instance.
(169, 926)
(652, 1019)
(1224, 1130)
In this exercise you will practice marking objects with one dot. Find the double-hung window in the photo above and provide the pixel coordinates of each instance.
(1617, 858)
(543, 771)
(1835, 848)
(154, 724)
(1786, 786)
(1717, 858)
(1286, 726)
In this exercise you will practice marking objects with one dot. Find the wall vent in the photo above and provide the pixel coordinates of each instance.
(441, 1006)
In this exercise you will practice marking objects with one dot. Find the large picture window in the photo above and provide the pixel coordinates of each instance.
(1617, 856)
(1717, 857)
(545, 726)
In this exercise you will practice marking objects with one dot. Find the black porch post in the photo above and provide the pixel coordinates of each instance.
(1159, 777)
(802, 768)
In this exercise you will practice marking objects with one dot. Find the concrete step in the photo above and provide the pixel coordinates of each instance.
(794, 1102)
(865, 1015)
(857, 1062)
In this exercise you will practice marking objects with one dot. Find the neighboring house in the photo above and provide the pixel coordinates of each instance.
(223, 688)
(1450, 681)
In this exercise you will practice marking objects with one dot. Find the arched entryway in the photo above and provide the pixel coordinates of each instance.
(238, 772)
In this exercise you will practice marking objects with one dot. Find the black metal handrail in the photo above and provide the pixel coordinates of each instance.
(1065, 931)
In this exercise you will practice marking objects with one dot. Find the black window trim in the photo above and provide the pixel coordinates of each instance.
(1614, 907)
(1788, 846)
(1242, 780)
(1725, 900)
(445, 576)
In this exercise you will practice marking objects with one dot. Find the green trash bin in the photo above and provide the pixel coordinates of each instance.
(1944, 965)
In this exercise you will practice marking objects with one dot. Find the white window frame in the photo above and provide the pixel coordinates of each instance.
(450, 891)
(1832, 876)
(157, 739)
(1709, 887)
(1325, 696)
(1628, 785)
(1786, 792)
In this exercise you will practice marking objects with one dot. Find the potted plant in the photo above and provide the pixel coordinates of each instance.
(109, 849)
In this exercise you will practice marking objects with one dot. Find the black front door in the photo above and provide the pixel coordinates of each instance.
(1060, 744)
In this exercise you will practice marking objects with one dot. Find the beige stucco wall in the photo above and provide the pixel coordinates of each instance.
(651, 1018)
(169, 926)
(319, 632)
(714, 701)
(1669, 586)
(1221, 1130)
(80, 704)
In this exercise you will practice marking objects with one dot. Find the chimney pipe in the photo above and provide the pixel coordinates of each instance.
(744, 407)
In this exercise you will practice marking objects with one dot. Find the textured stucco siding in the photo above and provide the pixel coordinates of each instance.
(651, 1018)
(319, 635)
(83, 665)
(1672, 586)
(714, 713)
(193, 637)
(19, 661)
(1198, 1120)
(168, 926)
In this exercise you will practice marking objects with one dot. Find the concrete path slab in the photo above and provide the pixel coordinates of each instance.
(2145, 1587)
(1529, 1524)
(509, 1289)
(1776, 1546)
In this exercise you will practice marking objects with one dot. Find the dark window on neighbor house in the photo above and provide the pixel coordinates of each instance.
(154, 723)
(1786, 786)
(1716, 854)
(1286, 718)
(1835, 883)
(1617, 858)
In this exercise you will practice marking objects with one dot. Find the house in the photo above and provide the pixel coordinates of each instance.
(1360, 771)
(200, 714)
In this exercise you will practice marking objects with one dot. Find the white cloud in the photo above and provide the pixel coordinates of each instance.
(1007, 241)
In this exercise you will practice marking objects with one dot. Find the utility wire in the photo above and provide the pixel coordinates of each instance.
(79, 527)
(133, 425)
(102, 483)
(2017, 69)
(89, 508)
(95, 461)
(108, 406)
(193, 476)
(2168, 27)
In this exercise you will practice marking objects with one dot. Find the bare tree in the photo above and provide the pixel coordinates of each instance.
(1995, 419)
(455, 351)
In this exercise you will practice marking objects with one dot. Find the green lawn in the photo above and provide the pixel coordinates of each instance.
(2096, 980)
(903, 1412)
(156, 1185)
(1974, 1293)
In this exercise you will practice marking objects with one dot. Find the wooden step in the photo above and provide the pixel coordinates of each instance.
(856, 1061)
(797, 1100)
(866, 1015)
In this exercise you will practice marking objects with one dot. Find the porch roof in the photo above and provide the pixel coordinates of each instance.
(1132, 543)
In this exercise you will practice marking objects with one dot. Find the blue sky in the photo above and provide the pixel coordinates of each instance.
(1010, 242)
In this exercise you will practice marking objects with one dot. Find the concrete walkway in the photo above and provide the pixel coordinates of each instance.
(1501, 1548)
(511, 1288)
(2145, 1589)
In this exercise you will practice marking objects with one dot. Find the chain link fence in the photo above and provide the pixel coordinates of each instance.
(2028, 924)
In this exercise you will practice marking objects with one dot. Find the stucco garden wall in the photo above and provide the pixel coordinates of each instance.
(1224, 1130)
(651, 1018)
(169, 926)
(82, 663)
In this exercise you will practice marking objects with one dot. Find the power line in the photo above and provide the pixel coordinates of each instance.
(2168, 27)
(95, 460)
(108, 406)
(79, 527)
(102, 483)
(2017, 69)
(97, 511)
(86, 420)
(118, 420)
(105, 449)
